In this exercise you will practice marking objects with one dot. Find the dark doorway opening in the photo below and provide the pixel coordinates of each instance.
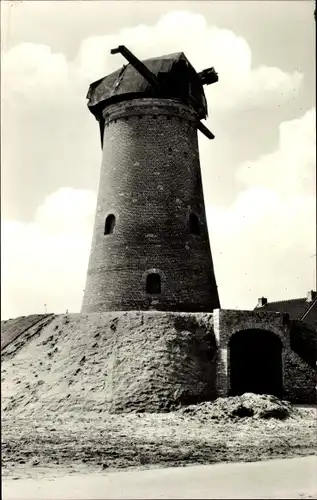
(256, 363)
(153, 283)
(194, 226)
(110, 224)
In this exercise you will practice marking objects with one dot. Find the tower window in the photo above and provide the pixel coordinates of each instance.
(194, 226)
(110, 224)
(153, 283)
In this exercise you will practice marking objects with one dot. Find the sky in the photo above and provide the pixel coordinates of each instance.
(259, 174)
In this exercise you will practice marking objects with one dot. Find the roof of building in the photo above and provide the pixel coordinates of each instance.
(175, 70)
(298, 309)
(310, 316)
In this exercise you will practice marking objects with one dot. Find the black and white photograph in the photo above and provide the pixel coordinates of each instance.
(158, 249)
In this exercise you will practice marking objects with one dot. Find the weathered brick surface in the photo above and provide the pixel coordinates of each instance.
(151, 181)
(299, 378)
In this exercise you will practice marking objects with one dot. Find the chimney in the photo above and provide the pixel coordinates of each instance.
(311, 295)
(262, 302)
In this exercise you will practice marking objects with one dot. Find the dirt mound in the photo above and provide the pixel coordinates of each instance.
(246, 406)
(119, 361)
(23, 327)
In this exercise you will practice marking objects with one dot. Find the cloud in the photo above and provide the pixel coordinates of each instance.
(264, 243)
(29, 68)
(45, 261)
(241, 85)
(32, 72)
(292, 167)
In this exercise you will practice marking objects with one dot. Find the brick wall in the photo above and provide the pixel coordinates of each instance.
(299, 378)
(150, 180)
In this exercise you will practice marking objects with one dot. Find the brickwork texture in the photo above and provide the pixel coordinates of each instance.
(151, 182)
(299, 376)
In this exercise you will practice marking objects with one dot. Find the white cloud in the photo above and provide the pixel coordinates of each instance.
(67, 210)
(263, 244)
(204, 45)
(33, 69)
(45, 261)
(292, 167)
(33, 72)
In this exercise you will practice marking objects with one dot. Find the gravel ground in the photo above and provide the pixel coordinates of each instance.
(202, 434)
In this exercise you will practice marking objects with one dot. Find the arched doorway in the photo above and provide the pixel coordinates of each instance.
(255, 363)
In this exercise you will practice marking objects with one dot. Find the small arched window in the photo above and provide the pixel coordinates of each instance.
(194, 226)
(110, 224)
(153, 283)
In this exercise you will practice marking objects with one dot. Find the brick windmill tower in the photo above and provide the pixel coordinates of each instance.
(150, 247)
